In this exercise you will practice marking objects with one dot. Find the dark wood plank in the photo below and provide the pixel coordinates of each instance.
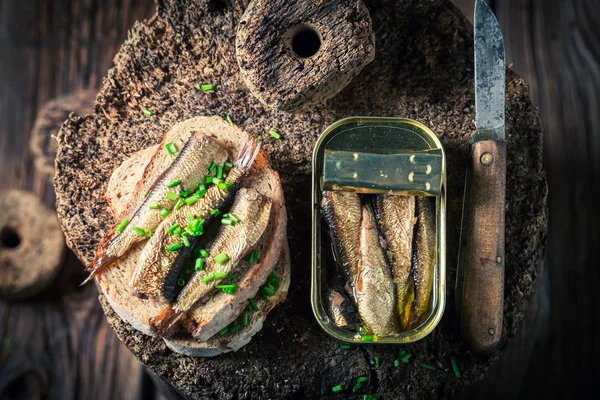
(59, 344)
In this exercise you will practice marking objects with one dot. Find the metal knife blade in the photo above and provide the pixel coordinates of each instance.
(482, 295)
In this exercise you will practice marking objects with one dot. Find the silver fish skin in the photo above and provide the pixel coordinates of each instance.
(254, 211)
(190, 168)
(156, 264)
(340, 310)
(342, 212)
(396, 217)
(424, 260)
(373, 287)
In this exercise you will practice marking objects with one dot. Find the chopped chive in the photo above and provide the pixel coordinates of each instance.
(357, 387)
(172, 229)
(402, 352)
(221, 258)
(184, 193)
(265, 298)
(216, 180)
(274, 280)
(208, 278)
(172, 196)
(223, 331)
(148, 232)
(177, 231)
(154, 206)
(186, 240)
(208, 179)
(253, 305)
(174, 183)
(361, 379)
(191, 200)
(255, 256)
(223, 186)
(269, 290)
(171, 148)
(455, 367)
(234, 218)
(200, 193)
(212, 167)
(139, 231)
(203, 253)
(245, 318)
(259, 138)
(199, 266)
(207, 87)
(219, 172)
(376, 361)
(148, 112)
(181, 282)
(229, 184)
(406, 357)
(344, 346)
(229, 289)
(275, 134)
(236, 327)
(429, 367)
(229, 119)
(165, 212)
(220, 274)
(122, 225)
(202, 187)
(215, 212)
(226, 221)
(396, 363)
(174, 247)
(337, 388)
(228, 164)
(189, 217)
(179, 204)
(367, 338)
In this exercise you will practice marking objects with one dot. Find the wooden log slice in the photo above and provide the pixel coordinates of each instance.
(423, 69)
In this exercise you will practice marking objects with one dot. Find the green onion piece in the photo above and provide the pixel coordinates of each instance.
(171, 148)
(122, 225)
(203, 253)
(220, 274)
(455, 367)
(235, 328)
(357, 387)
(199, 266)
(208, 278)
(245, 318)
(212, 167)
(274, 280)
(228, 164)
(139, 231)
(148, 232)
(184, 193)
(200, 193)
(344, 346)
(215, 212)
(165, 212)
(223, 186)
(179, 204)
(396, 363)
(367, 338)
(174, 247)
(234, 218)
(208, 179)
(376, 362)
(216, 180)
(406, 357)
(361, 379)
(226, 221)
(223, 331)
(202, 187)
(275, 134)
(172, 229)
(221, 258)
(337, 388)
(229, 119)
(191, 200)
(255, 256)
(265, 298)
(253, 305)
(181, 282)
(219, 171)
(189, 217)
(207, 88)
(177, 231)
(229, 184)
(172, 196)
(269, 290)
(145, 195)
(229, 289)
(259, 138)
(186, 241)
(402, 352)
(148, 112)
(427, 366)
(154, 206)
(174, 183)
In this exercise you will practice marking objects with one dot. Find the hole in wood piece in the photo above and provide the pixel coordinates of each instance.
(9, 238)
(28, 385)
(216, 5)
(305, 41)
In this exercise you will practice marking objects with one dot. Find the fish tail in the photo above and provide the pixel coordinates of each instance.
(101, 262)
(247, 155)
(165, 320)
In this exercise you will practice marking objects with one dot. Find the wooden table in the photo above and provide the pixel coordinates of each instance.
(59, 342)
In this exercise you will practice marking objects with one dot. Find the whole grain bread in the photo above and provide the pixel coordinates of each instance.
(133, 178)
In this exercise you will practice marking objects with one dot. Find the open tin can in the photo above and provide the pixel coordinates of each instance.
(377, 155)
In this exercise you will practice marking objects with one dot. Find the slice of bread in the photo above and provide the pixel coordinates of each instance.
(125, 185)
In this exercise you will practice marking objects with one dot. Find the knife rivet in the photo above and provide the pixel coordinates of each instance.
(491, 331)
(487, 159)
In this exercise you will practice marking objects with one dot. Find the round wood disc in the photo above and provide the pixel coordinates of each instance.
(423, 69)
(31, 245)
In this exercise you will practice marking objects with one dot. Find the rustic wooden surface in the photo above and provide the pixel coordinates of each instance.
(60, 339)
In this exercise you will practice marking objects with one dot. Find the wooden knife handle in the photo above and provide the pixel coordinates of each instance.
(483, 291)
